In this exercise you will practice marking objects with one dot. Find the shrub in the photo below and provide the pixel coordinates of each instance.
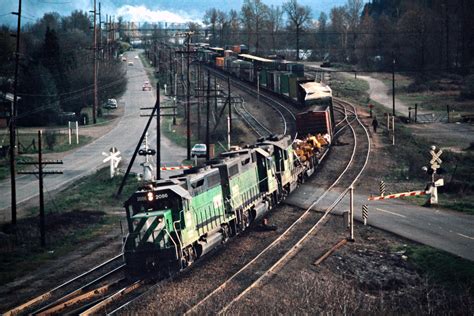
(467, 90)
(50, 138)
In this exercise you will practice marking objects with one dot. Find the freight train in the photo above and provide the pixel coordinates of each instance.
(173, 222)
(284, 79)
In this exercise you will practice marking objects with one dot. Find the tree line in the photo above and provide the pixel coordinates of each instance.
(417, 35)
(56, 67)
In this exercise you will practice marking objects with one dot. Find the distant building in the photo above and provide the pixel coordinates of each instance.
(6, 100)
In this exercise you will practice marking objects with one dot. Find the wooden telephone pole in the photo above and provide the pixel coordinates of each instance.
(40, 173)
(94, 107)
(13, 118)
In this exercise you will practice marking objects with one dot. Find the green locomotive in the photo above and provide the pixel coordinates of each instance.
(173, 222)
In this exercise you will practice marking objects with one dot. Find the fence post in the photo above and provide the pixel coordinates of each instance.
(393, 130)
(69, 131)
(77, 132)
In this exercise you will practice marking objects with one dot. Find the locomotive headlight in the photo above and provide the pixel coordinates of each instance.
(149, 196)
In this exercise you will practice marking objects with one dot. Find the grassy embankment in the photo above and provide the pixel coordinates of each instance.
(29, 147)
(455, 273)
(440, 267)
(76, 216)
(411, 152)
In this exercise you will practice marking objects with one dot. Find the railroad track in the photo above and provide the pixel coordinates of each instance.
(71, 288)
(285, 113)
(284, 247)
(251, 121)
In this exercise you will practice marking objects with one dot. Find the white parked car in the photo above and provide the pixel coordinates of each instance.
(111, 104)
(130, 63)
(199, 150)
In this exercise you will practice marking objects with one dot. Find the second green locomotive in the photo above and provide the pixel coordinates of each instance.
(171, 223)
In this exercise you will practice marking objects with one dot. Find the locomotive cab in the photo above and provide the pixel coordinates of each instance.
(154, 218)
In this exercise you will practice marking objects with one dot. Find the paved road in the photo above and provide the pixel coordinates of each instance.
(449, 231)
(87, 159)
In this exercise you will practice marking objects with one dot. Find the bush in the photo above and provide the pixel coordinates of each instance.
(51, 139)
(467, 90)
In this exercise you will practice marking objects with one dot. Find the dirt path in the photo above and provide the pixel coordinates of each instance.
(380, 93)
(452, 136)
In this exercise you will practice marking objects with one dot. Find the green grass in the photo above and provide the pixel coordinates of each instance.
(28, 257)
(412, 153)
(75, 216)
(150, 70)
(463, 204)
(29, 143)
(93, 192)
(5, 166)
(350, 88)
(455, 273)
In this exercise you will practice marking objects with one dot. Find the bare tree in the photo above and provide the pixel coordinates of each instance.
(234, 26)
(340, 27)
(275, 22)
(210, 19)
(196, 28)
(298, 17)
(254, 17)
(353, 10)
(222, 24)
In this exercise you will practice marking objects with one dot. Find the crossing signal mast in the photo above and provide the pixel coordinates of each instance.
(435, 164)
(431, 188)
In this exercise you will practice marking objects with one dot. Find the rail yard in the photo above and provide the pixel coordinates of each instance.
(306, 191)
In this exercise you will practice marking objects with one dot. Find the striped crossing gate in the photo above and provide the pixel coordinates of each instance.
(397, 195)
(175, 168)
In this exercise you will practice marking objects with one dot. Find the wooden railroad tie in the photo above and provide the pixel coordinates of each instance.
(330, 251)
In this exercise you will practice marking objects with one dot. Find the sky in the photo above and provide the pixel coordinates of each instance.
(179, 11)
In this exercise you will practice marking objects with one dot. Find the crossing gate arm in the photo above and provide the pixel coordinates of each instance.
(175, 168)
(397, 195)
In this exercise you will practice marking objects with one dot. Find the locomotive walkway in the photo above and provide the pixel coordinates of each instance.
(87, 159)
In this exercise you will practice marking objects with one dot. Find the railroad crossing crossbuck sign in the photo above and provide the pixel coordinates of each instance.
(435, 161)
(114, 159)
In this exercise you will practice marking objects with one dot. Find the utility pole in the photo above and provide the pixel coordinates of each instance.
(158, 114)
(230, 105)
(215, 95)
(41, 173)
(94, 107)
(106, 51)
(208, 109)
(199, 103)
(13, 118)
(171, 75)
(100, 34)
(188, 105)
(393, 83)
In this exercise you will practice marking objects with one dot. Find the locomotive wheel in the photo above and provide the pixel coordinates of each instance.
(225, 233)
(189, 255)
(245, 220)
